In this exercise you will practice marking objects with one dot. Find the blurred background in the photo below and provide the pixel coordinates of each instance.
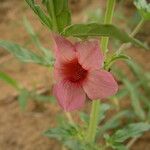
(21, 129)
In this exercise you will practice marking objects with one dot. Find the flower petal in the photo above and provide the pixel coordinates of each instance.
(100, 84)
(89, 54)
(64, 49)
(69, 95)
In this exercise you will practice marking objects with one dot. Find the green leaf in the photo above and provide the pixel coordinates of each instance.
(144, 8)
(102, 111)
(138, 73)
(113, 122)
(119, 146)
(31, 32)
(114, 145)
(74, 144)
(9, 80)
(46, 20)
(130, 131)
(25, 55)
(121, 93)
(59, 12)
(95, 29)
(135, 101)
(61, 133)
(34, 37)
(84, 117)
(23, 98)
(112, 59)
(43, 98)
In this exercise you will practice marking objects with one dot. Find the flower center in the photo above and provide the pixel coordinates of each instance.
(73, 71)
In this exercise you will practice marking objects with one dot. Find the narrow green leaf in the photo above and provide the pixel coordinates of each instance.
(144, 8)
(34, 37)
(113, 144)
(102, 111)
(95, 29)
(43, 98)
(59, 12)
(24, 54)
(31, 32)
(112, 59)
(84, 117)
(131, 130)
(121, 93)
(113, 122)
(46, 20)
(138, 73)
(61, 132)
(135, 101)
(9, 80)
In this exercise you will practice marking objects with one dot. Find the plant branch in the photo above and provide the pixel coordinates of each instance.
(93, 121)
(52, 14)
(131, 142)
(133, 33)
(108, 20)
(96, 104)
(69, 117)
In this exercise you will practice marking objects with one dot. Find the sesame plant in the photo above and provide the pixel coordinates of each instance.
(84, 72)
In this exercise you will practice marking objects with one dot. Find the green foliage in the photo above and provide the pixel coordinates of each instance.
(58, 12)
(25, 55)
(135, 100)
(84, 117)
(143, 78)
(95, 29)
(113, 122)
(144, 8)
(62, 132)
(9, 80)
(33, 35)
(134, 95)
(121, 93)
(130, 131)
(46, 20)
(71, 136)
(96, 15)
(138, 89)
(113, 58)
(48, 56)
(102, 112)
(24, 94)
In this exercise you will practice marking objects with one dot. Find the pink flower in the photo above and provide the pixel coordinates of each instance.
(78, 72)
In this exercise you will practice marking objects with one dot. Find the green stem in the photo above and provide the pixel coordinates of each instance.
(96, 104)
(93, 121)
(137, 28)
(108, 20)
(51, 11)
(69, 117)
(133, 33)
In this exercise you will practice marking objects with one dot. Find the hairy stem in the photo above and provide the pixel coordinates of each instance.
(108, 20)
(133, 33)
(69, 117)
(96, 104)
(137, 28)
(52, 14)
(131, 142)
(93, 121)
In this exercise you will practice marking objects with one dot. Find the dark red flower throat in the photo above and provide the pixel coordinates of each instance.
(73, 71)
